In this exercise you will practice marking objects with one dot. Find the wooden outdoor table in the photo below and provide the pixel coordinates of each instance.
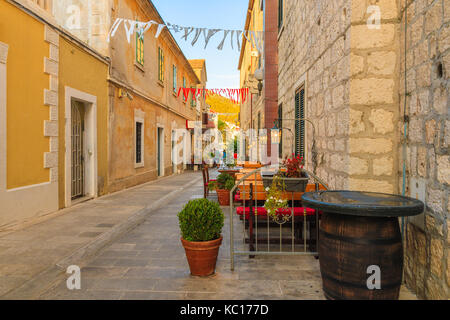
(259, 192)
(231, 172)
(248, 164)
(252, 177)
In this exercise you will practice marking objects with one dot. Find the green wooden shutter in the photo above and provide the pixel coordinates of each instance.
(184, 86)
(140, 48)
(280, 14)
(174, 79)
(160, 65)
(280, 126)
(300, 125)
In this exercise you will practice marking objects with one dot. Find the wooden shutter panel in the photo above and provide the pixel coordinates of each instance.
(280, 126)
(138, 142)
(300, 125)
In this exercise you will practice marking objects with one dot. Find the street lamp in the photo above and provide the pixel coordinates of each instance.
(275, 136)
(313, 147)
(259, 75)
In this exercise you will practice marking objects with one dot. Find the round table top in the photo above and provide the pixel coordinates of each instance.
(363, 203)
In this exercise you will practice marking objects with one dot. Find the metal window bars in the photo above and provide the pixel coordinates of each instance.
(251, 196)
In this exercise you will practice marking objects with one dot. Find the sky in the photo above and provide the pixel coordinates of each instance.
(222, 66)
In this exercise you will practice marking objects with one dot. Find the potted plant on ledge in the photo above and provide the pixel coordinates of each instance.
(223, 185)
(201, 222)
(292, 173)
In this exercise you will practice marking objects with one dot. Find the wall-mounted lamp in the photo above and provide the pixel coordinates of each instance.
(275, 136)
(124, 93)
(259, 75)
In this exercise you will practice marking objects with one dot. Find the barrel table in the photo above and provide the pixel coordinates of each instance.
(360, 242)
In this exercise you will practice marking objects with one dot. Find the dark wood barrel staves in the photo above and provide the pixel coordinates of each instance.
(359, 230)
(352, 245)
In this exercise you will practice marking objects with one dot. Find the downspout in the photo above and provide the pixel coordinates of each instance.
(405, 117)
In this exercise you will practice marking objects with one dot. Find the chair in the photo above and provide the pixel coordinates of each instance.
(206, 181)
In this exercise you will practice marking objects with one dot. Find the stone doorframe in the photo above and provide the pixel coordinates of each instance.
(90, 146)
(161, 152)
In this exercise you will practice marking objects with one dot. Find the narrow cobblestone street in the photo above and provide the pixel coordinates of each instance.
(147, 262)
(28, 257)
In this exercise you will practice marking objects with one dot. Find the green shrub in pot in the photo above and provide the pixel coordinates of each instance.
(201, 220)
(224, 182)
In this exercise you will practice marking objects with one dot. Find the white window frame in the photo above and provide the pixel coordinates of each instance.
(139, 117)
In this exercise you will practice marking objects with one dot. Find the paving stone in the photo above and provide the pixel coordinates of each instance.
(103, 272)
(119, 254)
(122, 284)
(131, 262)
(90, 234)
(153, 296)
(149, 262)
(105, 225)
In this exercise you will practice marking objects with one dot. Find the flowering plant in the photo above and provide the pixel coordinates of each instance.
(294, 167)
(274, 200)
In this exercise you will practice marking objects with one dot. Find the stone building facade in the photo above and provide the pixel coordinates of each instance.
(345, 59)
(427, 264)
(37, 88)
(143, 87)
(252, 109)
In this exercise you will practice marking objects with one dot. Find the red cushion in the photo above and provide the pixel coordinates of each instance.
(240, 211)
(262, 212)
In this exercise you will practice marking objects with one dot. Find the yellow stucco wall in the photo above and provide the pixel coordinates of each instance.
(26, 82)
(84, 72)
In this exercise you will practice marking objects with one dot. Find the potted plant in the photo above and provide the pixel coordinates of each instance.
(294, 176)
(201, 222)
(275, 201)
(223, 186)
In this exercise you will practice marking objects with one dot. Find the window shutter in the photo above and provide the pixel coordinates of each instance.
(280, 126)
(300, 125)
(138, 142)
(174, 79)
(280, 14)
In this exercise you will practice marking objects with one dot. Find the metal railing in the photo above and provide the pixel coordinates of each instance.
(262, 226)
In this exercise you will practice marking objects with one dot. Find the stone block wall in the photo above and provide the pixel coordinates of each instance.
(427, 255)
(314, 51)
(354, 73)
(374, 99)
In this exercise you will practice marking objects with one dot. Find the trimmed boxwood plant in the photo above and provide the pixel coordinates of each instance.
(201, 220)
(224, 182)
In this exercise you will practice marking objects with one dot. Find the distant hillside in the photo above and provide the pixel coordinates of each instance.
(221, 104)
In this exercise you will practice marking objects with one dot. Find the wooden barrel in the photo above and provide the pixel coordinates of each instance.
(349, 245)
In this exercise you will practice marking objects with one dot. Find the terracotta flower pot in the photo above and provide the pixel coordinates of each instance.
(224, 197)
(202, 256)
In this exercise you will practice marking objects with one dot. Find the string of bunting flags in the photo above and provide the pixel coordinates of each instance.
(235, 95)
(235, 36)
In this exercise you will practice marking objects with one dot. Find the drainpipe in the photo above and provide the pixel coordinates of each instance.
(405, 117)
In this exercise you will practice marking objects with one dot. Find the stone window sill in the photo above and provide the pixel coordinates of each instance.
(139, 165)
(139, 67)
(280, 32)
